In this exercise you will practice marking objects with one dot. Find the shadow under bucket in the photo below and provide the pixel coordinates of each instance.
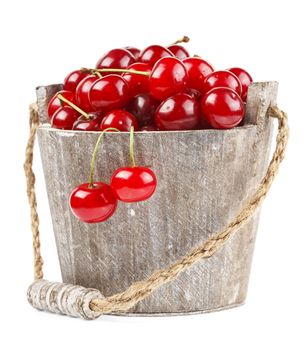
(204, 178)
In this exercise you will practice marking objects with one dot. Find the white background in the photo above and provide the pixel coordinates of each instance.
(41, 41)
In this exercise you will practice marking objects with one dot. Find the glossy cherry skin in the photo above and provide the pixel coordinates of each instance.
(149, 128)
(119, 119)
(245, 79)
(178, 112)
(55, 103)
(64, 118)
(82, 92)
(137, 83)
(88, 124)
(179, 51)
(133, 50)
(109, 92)
(133, 184)
(168, 77)
(73, 79)
(197, 69)
(94, 203)
(222, 78)
(143, 107)
(153, 53)
(222, 108)
(116, 58)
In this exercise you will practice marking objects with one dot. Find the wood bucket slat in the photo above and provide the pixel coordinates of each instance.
(204, 178)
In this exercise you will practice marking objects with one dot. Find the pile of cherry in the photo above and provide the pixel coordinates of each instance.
(159, 88)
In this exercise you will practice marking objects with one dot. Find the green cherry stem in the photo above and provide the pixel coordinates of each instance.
(94, 154)
(71, 104)
(91, 71)
(184, 39)
(119, 70)
(97, 73)
(131, 147)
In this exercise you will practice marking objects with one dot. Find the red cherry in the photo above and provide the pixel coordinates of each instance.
(82, 92)
(137, 83)
(179, 51)
(179, 112)
(133, 50)
(55, 103)
(94, 203)
(88, 124)
(168, 77)
(197, 69)
(109, 92)
(222, 78)
(153, 53)
(149, 128)
(73, 79)
(223, 108)
(119, 119)
(245, 79)
(116, 58)
(143, 107)
(64, 118)
(133, 184)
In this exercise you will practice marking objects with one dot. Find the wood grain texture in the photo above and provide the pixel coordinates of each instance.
(44, 94)
(204, 178)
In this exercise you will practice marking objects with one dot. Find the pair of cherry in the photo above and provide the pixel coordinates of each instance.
(94, 202)
(70, 116)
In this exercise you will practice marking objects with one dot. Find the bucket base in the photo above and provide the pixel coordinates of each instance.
(187, 313)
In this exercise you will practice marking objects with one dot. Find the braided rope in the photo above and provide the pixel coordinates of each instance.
(30, 177)
(138, 291)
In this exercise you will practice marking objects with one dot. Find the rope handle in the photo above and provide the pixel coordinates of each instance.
(122, 302)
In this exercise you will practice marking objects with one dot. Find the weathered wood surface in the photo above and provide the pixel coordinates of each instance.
(204, 178)
(43, 96)
(63, 298)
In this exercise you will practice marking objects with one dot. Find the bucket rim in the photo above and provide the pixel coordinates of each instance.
(243, 128)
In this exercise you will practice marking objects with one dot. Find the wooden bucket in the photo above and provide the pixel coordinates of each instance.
(204, 178)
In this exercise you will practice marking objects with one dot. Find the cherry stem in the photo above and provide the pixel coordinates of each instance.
(184, 39)
(131, 147)
(97, 71)
(71, 104)
(94, 154)
(119, 70)
(91, 71)
(86, 70)
(98, 74)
